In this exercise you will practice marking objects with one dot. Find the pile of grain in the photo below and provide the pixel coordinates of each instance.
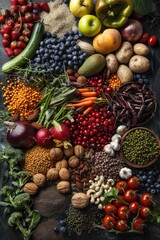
(59, 20)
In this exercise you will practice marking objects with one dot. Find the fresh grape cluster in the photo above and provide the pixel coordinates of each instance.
(93, 130)
(55, 54)
(141, 78)
(150, 179)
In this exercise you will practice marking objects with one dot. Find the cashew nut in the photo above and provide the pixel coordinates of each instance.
(111, 182)
(99, 193)
(89, 192)
(105, 186)
(92, 199)
(97, 201)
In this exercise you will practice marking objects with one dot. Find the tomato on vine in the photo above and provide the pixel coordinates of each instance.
(152, 41)
(145, 212)
(133, 182)
(147, 199)
(110, 209)
(121, 186)
(123, 212)
(139, 224)
(130, 195)
(122, 225)
(134, 207)
(109, 222)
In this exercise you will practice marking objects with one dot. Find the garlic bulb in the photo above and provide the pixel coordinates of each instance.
(122, 129)
(86, 47)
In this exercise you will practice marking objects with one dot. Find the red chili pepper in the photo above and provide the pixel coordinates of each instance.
(6, 36)
(17, 51)
(17, 26)
(28, 17)
(37, 7)
(2, 19)
(24, 39)
(9, 52)
(13, 45)
(21, 44)
(15, 35)
(45, 7)
(5, 43)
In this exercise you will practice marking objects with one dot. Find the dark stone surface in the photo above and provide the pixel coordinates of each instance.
(52, 206)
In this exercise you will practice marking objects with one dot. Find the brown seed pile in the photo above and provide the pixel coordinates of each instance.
(108, 166)
(20, 97)
(37, 160)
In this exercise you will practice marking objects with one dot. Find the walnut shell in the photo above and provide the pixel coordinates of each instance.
(30, 188)
(61, 164)
(73, 161)
(52, 174)
(79, 151)
(39, 179)
(56, 154)
(68, 152)
(63, 187)
(64, 174)
(80, 200)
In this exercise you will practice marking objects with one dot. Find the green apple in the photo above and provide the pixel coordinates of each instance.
(79, 8)
(89, 25)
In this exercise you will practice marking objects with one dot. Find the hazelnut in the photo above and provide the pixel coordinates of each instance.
(73, 161)
(39, 179)
(64, 174)
(63, 187)
(61, 164)
(56, 154)
(52, 174)
(80, 200)
(79, 151)
(30, 188)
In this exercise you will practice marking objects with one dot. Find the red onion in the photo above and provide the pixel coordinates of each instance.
(44, 138)
(20, 134)
(132, 30)
(60, 132)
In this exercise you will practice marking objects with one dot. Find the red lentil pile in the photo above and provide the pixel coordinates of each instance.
(20, 97)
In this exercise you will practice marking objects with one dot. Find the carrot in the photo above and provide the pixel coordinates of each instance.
(81, 90)
(88, 98)
(80, 104)
(89, 94)
(88, 110)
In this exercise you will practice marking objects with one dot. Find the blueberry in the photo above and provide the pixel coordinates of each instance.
(141, 172)
(62, 47)
(147, 185)
(49, 46)
(69, 56)
(158, 186)
(157, 171)
(75, 58)
(62, 222)
(48, 34)
(38, 60)
(75, 67)
(57, 68)
(76, 37)
(56, 58)
(46, 50)
(42, 43)
(60, 53)
(48, 41)
(70, 64)
(148, 189)
(138, 76)
(146, 81)
(53, 65)
(153, 191)
(64, 56)
(158, 180)
(41, 50)
(149, 180)
(70, 38)
(46, 55)
(53, 40)
(66, 34)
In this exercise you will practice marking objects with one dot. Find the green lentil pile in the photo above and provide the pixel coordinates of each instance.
(80, 220)
(140, 147)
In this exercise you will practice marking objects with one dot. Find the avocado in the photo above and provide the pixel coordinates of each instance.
(92, 65)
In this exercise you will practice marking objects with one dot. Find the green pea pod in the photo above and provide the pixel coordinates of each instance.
(113, 13)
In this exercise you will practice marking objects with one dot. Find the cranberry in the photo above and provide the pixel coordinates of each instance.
(108, 90)
(68, 122)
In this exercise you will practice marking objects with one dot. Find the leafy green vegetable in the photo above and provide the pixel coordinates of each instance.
(142, 7)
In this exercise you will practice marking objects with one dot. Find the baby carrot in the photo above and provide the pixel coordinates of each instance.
(80, 104)
(81, 90)
(88, 94)
(88, 110)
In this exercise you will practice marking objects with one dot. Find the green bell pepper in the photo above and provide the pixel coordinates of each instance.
(113, 13)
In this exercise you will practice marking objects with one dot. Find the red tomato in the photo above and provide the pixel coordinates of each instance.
(134, 207)
(121, 186)
(109, 222)
(138, 224)
(123, 212)
(144, 38)
(118, 203)
(122, 225)
(130, 195)
(133, 182)
(145, 212)
(152, 41)
(110, 209)
(147, 199)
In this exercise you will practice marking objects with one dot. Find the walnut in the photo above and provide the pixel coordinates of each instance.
(73, 161)
(68, 152)
(79, 151)
(39, 179)
(56, 154)
(52, 174)
(30, 188)
(63, 187)
(80, 200)
(64, 174)
(61, 164)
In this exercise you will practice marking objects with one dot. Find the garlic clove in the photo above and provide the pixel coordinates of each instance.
(86, 47)
(116, 137)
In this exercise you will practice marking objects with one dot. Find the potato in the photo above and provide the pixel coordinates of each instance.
(141, 49)
(124, 53)
(139, 64)
(112, 62)
(125, 74)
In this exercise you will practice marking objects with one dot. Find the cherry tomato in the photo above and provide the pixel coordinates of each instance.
(109, 222)
(110, 209)
(138, 224)
(145, 212)
(130, 195)
(134, 207)
(133, 182)
(147, 199)
(144, 38)
(152, 41)
(123, 212)
(117, 202)
(121, 186)
(122, 225)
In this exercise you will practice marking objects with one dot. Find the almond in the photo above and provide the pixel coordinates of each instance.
(37, 125)
(33, 117)
(16, 116)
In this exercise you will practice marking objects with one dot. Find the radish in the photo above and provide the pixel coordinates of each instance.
(60, 131)
(44, 138)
